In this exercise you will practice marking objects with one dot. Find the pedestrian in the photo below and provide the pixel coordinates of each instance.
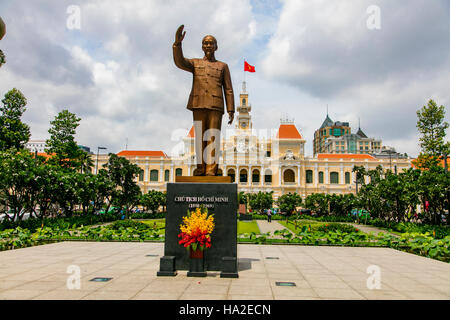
(269, 215)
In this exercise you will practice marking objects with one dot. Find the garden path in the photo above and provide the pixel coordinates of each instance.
(271, 227)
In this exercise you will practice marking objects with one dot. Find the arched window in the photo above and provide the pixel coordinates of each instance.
(154, 175)
(289, 176)
(178, 172)
(243, 102)
(231, 174)
(166, 175)
(243, 176)
(255, 176)
(347, 177)
(334, 177)
(268, 176)
(309, 176)
(321, 177)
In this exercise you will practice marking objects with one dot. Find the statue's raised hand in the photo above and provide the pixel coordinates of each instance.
(2, 28)
(180, 35)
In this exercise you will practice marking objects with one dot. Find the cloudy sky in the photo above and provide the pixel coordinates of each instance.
(116, 70)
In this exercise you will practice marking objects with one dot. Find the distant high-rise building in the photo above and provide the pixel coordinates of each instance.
(327, 130)
(336, 137)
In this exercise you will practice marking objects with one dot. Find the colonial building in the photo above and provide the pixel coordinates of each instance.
(262, 160)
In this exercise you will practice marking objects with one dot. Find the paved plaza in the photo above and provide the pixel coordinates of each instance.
(318, 273)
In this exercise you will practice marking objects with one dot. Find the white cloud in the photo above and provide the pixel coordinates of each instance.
(324, 49)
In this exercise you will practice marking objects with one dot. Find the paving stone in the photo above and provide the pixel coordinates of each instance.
(319, 272)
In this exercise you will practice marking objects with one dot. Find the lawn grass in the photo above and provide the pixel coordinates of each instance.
(247, 227)
(300, 224)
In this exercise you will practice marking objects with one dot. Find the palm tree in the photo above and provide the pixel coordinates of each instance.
(85, 161)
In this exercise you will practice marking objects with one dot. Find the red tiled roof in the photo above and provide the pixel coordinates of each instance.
(288, 131)
(138, 153)
(345, 156)
(191, 133)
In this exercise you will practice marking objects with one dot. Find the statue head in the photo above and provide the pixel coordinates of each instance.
(2, 28)
(209, 46)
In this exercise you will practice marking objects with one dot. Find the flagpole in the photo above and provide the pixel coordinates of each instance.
(244, 69)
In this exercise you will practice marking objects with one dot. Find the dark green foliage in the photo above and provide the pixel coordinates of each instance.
(317, 203)
(123, 173)
(334, 227)
(117, 225)
(13, 132)
(153, 200)
(431, 126)
(288, 203)
(260, 201)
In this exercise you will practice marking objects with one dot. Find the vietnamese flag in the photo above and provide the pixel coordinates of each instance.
(248, 67)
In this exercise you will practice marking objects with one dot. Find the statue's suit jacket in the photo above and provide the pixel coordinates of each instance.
(208, 80)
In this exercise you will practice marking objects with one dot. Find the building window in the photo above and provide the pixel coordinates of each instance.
(231, 174)
(243, 177)
(141, 175)
(166, 175)
(178, 172)
(255, 176)
(267, 154)
(243, 102)
(334, 178)
(320, 177)
(309, 176)
(268, 176)
(289, 176)
(154, 175)
(347, 177)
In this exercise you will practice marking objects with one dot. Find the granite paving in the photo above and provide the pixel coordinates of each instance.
(52, 272)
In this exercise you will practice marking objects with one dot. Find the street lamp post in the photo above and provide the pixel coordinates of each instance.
(96, 165)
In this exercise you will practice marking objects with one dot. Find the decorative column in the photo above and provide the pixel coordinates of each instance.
(316, 175)
(279, 176)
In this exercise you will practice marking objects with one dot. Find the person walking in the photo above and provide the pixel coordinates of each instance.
(269, 215)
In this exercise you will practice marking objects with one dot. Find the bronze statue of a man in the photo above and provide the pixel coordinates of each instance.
(2, 28)
(210, 76)
(2, 34)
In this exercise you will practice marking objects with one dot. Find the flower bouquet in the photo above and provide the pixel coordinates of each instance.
(196, 237)
(196, 230)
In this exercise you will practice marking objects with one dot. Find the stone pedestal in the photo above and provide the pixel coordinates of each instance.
(221, 200)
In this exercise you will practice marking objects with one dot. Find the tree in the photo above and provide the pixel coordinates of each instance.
(242, 197)
(317, 202)
(62, 142)
(260, 201)
(152, 200)
(105, 188)
(288, 203)
(16, 180)
(123, 174)
(13, 132)
(432, 127)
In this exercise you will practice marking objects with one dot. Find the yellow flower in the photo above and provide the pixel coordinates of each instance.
(197, 220)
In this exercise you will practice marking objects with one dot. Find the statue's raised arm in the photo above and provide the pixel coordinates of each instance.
(178, 58)
(179, 36)
(3, 28)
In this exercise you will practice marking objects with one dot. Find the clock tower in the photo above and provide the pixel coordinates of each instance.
(244, 121)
